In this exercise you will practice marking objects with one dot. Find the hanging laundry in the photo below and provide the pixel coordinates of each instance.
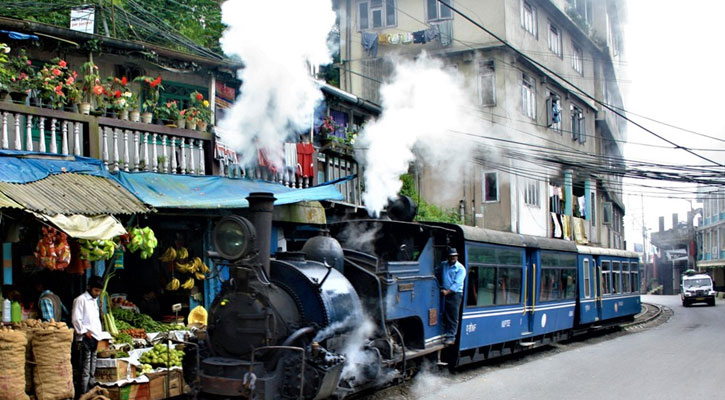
(446, 32)
(383, 39)
(431, 34)
(304, 159)
(290, 156)
(266, 159)
(394, 38)
(556, 225)
(406, 38)
(370, 43)
(419, 37)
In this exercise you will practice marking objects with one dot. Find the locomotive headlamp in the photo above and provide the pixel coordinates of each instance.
(234, 238)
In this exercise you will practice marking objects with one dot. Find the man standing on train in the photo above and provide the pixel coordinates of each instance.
(454, 274)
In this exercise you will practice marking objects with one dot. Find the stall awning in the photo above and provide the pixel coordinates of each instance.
(213, 192)
(59, 184)
(711, 264)
(100, 227)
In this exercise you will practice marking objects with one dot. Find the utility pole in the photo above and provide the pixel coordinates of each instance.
(644, 242)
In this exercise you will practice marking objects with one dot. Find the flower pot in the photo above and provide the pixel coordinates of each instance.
(134, 115)
(181, 123)
(4, 95)
(201, 126)
(191, 125)
(123, 114)
(146, 117)
(111, 113)
(85, 108)
(19, 97)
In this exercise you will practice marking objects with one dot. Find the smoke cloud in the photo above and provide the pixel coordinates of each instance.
(426, 115)
(278, 96)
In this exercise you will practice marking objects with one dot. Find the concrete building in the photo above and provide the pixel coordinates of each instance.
(711, 237)
(577, 140)
(675, 254)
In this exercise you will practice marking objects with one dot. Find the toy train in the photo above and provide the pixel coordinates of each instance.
(359, 306)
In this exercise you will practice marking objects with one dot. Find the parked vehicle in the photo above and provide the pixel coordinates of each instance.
(696, 288)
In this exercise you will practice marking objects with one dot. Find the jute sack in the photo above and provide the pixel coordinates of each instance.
(12, 365)
(29, 360)
(53, 373)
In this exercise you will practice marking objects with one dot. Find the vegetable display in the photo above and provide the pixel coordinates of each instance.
(163, 356)
(95, 250)
(142, 239)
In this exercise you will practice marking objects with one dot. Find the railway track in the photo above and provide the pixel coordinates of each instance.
(650, 316)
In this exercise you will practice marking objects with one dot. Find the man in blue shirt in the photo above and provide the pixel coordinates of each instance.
(452, 291)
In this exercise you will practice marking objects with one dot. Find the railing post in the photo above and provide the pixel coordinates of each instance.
(4, 142)
(116, 158)
(41, 140)
(183, 156)
(155, 160)
(29, 133)
(147, 162)
(192, 167)
(18, 143)
(202, 160)
(77, 150)
(64, 129)
(125, 150)
(136, 151)
(173, 154)
(105, 145)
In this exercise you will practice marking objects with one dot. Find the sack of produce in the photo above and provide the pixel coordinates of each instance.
(12, 364)
(53, 375)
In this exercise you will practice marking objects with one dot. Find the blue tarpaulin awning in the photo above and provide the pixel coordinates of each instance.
(213, 192)
(26, 166)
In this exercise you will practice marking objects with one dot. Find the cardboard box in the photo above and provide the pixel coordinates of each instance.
(158, 384)
(110, 370)
(132, 391)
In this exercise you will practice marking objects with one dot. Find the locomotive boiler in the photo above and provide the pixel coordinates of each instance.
(286, 327)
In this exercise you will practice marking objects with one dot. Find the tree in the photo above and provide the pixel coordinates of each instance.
(426, 211)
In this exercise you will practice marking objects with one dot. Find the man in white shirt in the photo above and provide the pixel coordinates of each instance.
(86, 319)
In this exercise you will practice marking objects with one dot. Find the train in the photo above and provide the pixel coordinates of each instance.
(355, 305)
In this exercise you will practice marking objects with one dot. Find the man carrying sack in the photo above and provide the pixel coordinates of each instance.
(86, 320)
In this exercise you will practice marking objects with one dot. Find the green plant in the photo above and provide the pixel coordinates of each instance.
(121, 97)
(21, 76)
(168, 112)
(150, 91)
(57, 84)
(203, 111)
(4, 73)
(426, 211)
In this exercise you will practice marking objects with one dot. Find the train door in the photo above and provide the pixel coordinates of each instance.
(589, 295)
(531, 292)
(599, 285)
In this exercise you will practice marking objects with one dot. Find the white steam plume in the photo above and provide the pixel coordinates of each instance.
(425, 109)
(276, 39)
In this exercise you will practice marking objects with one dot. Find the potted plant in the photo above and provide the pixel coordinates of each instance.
(327, 128)
(90, 87)
(150, 91)
(56, 79)
(4, 72)
(191, 115)
(203, 111)
(167, 113)
(20, 77)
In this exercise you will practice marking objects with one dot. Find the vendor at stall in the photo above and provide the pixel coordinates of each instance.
(86, 320)
(49, 304)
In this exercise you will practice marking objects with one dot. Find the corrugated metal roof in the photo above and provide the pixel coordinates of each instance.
(71, 193)
(8, 202)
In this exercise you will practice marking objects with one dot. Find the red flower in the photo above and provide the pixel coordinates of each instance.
(75, 75)
(182, 112)
(62, 63)
(56, 72)
(156, 82)
(98, 90)
(124, 81)
(70, 80)
(59, 90)
(199, 97)
(29, 62)
(117, 94)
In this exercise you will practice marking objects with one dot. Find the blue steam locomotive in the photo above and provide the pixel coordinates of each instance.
(358, 306)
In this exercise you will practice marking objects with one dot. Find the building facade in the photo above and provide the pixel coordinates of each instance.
(559, 183)
(711, 237)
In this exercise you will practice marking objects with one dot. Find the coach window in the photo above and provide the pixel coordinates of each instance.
(494, 277)
(625, 278)
(616, 278)
(558, 276)
(634, 276)
(587, 280)
(606, 278)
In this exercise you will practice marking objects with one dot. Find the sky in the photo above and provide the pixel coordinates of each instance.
(671, 73)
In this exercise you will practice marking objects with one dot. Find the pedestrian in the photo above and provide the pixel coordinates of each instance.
(86, 320)
(452, 290)
(49, 304)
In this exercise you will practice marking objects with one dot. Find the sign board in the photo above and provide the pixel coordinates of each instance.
(83, 19)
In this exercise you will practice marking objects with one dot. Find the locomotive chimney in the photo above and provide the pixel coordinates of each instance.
(261, 206)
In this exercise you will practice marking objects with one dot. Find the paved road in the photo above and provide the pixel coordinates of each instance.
(681, 359)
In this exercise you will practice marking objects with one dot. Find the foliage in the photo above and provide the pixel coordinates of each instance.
(168, 112)
(150, 90)
(20, 73)
(198, 109)
(121, 96)
(4, 73)
(426, 211)
(57, 84)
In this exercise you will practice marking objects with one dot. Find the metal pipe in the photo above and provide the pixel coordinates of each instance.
(297, 334)
(261, 206)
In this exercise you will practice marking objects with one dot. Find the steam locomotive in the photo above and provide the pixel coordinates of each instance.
(359, 305)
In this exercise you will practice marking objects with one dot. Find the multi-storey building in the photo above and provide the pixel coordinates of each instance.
(711, 236)
(568, 141)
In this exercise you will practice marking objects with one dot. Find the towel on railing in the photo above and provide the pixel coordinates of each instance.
(304, 159)
(290, 156)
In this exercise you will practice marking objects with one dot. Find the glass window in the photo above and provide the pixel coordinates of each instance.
(363, 16)
(376, 14)
(577, 59)
(634, 276)
(486, 84)
(577, 124)
(555, 40)
(490, 186)
(528, 17)
(531, 193)
(437, 11)
(528, 96)
(616, 281)
(587, 279)
(626, 282)
(606, 277)
(493, 285)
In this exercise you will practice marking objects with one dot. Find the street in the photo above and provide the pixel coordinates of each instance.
(681, 358)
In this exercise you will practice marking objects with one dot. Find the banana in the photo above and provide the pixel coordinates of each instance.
(199, 276)
(182, 254)
(204, 268)
(184, 268)
(188, 284)
(173, 284)
(196, 264)
(169, 255)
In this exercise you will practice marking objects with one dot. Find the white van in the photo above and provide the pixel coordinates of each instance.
(696, 288)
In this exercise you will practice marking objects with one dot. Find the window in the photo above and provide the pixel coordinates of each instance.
(626, 282)
(577, 59)
(438, 11)
(558, 276)
(616, 277)
(528, 96)
(583, 8)
(553, 111)
(494, 277)
(531, 192)
(606, 278)
(577, 124)
(375, 14)
(587, 279)
(607, 214)
(490, 186)
(486, 84)
(634, 275)
(528, 17)
(554, 40)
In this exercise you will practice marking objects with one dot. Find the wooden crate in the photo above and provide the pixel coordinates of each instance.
(132, 391)
(121, 370)
(157, 384)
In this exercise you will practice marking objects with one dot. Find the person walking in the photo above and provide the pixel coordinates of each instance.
(454, 274)
(86, 319)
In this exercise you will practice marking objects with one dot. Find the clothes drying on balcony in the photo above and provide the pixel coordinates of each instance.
(214, 192)
(304, 159)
